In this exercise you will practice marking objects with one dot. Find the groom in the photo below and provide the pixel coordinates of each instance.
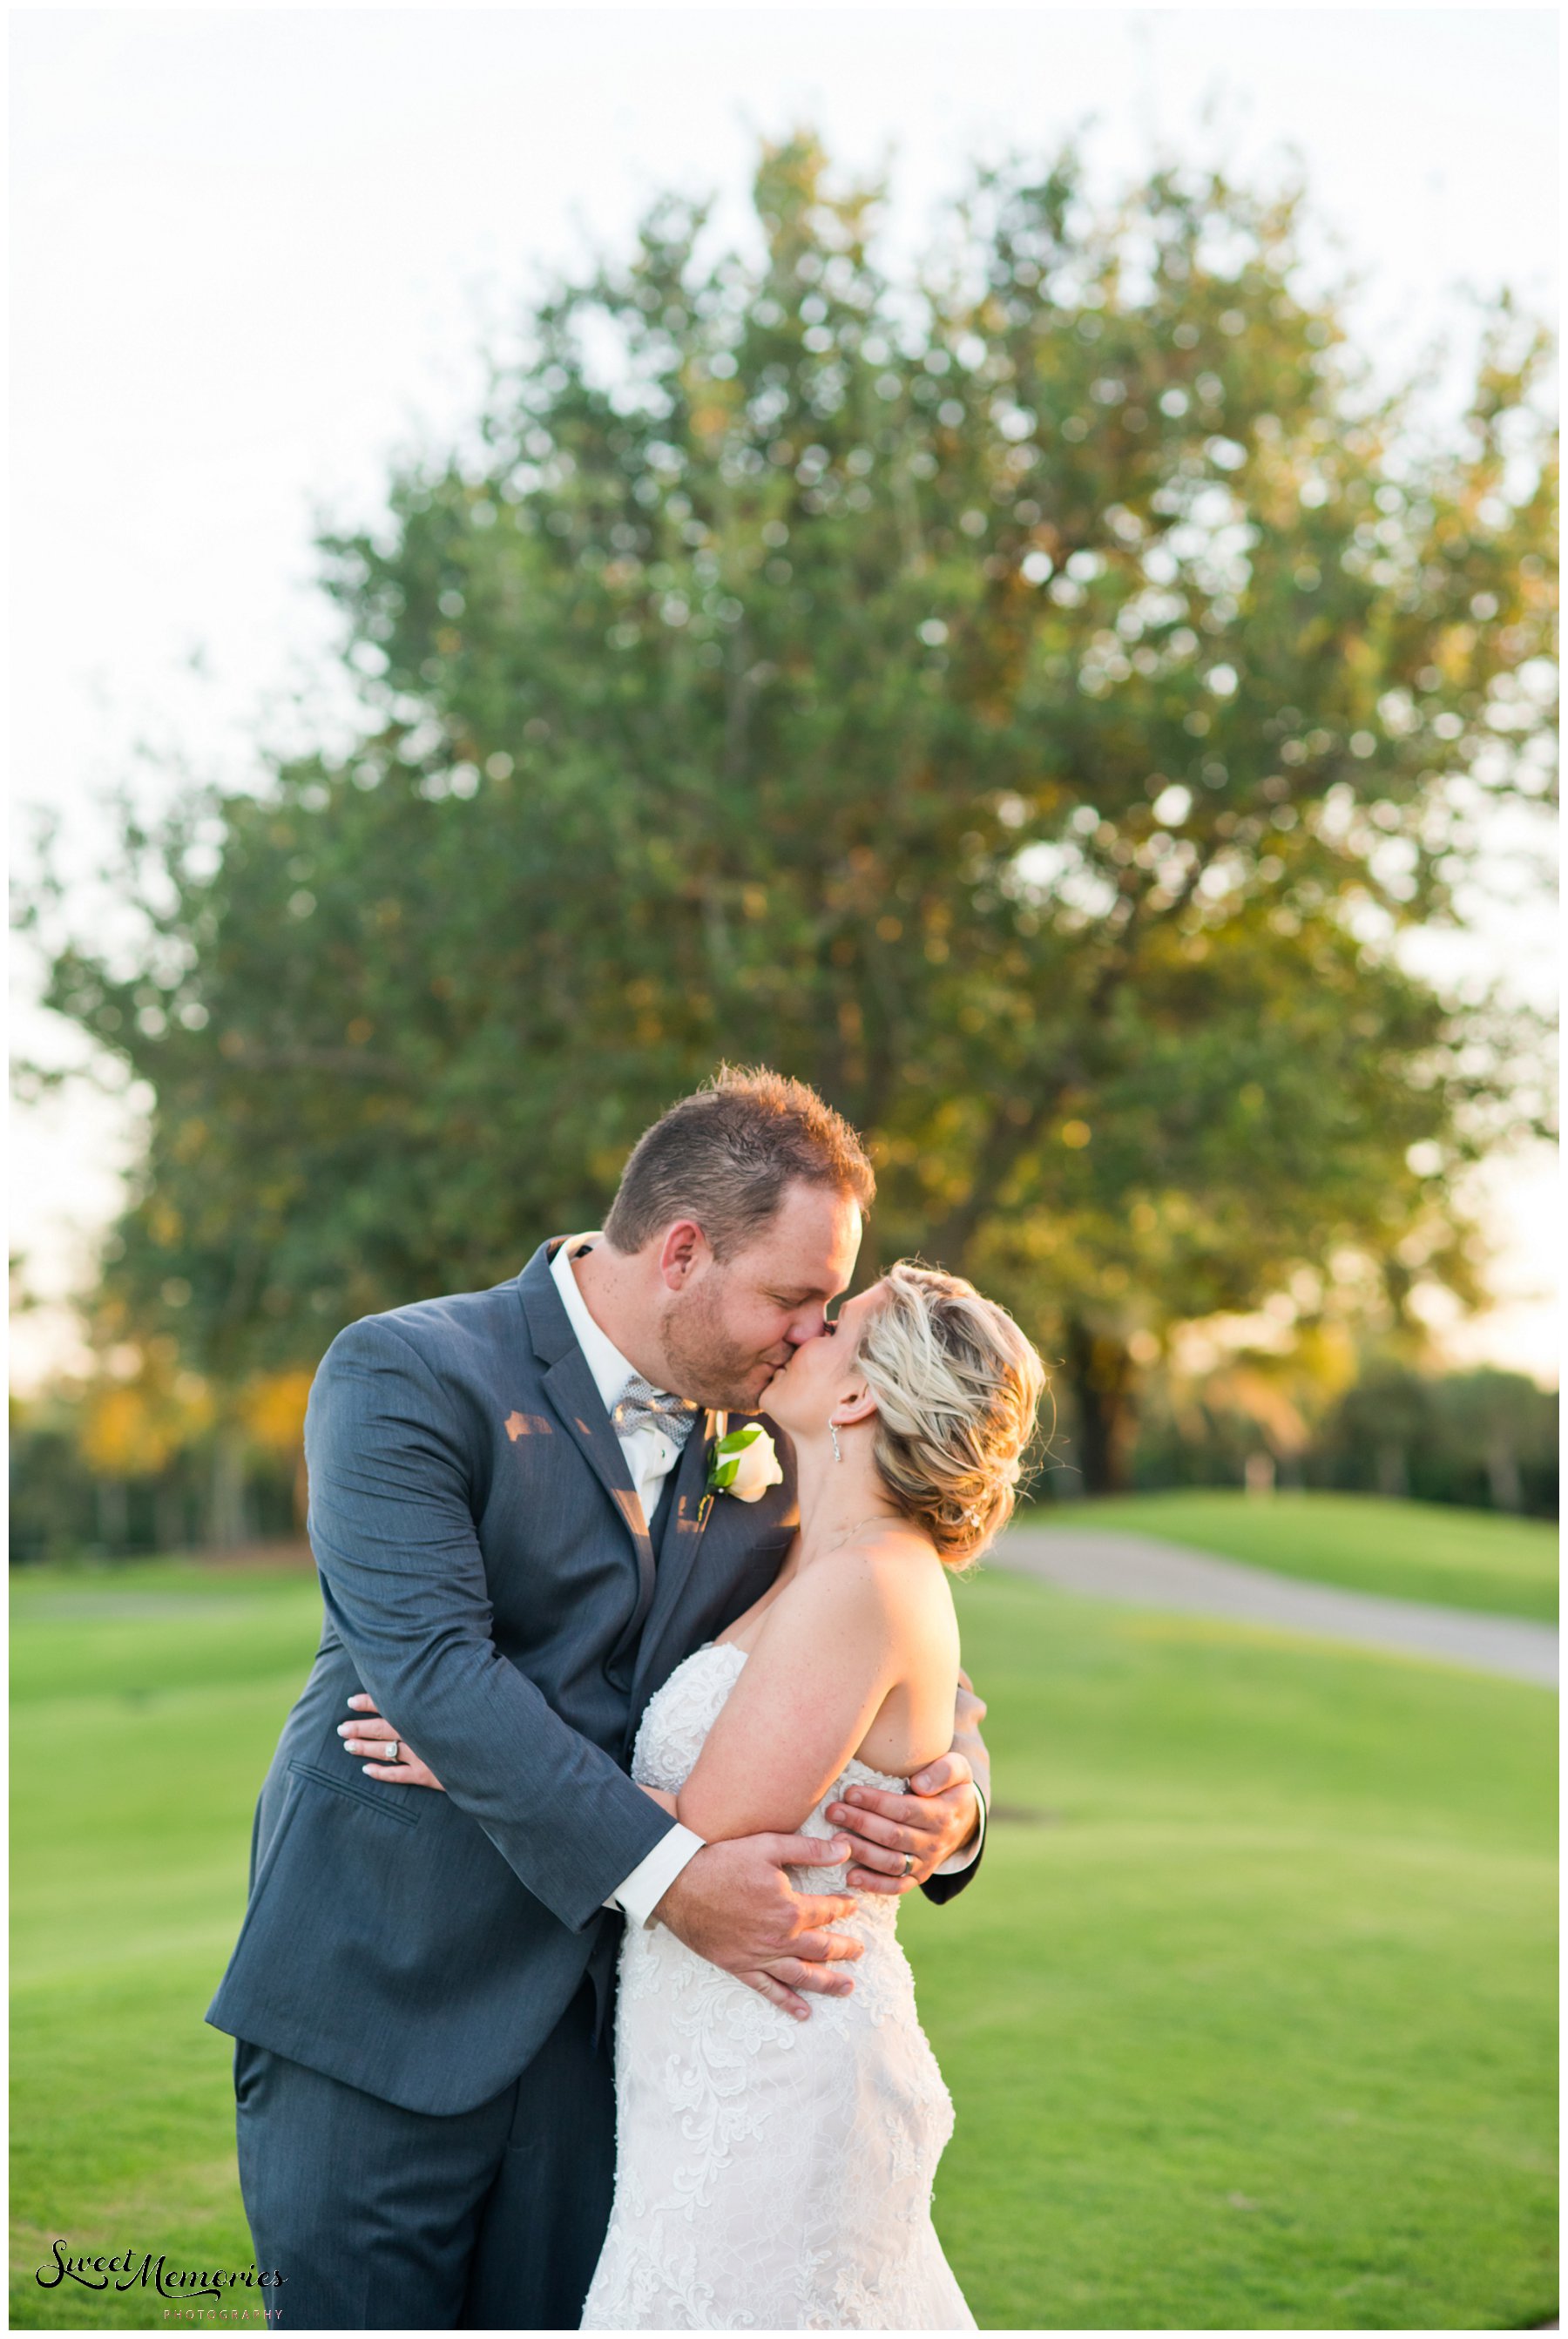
(517, 1546)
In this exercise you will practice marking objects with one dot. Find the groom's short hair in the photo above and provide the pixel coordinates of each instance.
(725, 1157)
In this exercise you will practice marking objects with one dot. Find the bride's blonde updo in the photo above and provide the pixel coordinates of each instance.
(956, 1386)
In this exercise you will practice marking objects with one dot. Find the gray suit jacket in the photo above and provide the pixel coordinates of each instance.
(487, 1574)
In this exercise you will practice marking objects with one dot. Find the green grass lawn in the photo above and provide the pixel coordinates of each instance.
(1409, 1551)
(1249, 2021)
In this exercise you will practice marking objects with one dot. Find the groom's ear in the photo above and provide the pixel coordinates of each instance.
(683, 1249)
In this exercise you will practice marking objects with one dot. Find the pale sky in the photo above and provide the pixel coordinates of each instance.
(255, 252)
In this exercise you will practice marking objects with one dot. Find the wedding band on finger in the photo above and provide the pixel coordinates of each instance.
(909, 1863)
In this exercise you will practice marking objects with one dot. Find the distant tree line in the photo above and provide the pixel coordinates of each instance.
(206, 1502)
(157, 1462)
(1484, 1439)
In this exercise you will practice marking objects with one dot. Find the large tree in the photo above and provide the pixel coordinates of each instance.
(1029, 702)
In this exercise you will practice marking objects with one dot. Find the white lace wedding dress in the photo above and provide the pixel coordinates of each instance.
(770, 2173)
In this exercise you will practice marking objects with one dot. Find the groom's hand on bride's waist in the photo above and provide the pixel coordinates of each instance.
(900, 1839)
(734, 1905)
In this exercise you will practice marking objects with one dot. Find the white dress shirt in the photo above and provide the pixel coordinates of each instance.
(650, 1456)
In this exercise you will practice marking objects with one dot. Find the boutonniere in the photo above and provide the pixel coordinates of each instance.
(742, 1464)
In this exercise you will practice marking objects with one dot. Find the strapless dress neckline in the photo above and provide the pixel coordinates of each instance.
(862, 1772)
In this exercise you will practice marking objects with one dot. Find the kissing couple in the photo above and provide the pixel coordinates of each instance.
(629, 1728)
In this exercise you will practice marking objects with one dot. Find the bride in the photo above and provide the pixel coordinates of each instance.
(772, 2172)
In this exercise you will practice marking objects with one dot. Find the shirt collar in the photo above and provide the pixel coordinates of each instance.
(609, 1368)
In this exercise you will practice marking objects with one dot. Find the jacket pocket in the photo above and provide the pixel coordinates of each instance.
(375, 1798)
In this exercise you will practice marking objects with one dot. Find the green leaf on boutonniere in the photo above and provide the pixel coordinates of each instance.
(725, 1458)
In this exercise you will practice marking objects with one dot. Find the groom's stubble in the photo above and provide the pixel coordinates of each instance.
(706, 1363)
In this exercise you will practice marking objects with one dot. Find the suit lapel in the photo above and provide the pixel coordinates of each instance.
(574, 1396)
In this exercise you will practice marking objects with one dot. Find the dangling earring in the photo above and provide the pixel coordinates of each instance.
(832, 1433)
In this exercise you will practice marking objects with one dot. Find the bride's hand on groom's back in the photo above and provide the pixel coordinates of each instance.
(734, 1905)
(396, 1761)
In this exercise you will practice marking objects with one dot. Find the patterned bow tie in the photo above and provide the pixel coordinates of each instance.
(639, 1402)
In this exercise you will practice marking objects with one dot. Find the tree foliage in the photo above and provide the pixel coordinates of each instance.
(1028, 703)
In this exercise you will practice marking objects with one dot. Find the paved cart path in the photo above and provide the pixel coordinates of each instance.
(1144, 1573)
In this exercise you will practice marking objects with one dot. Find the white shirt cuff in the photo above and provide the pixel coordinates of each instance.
(963, 1859)
(640, 1894)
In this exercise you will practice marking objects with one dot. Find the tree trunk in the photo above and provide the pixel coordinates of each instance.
(1100, 1371)
(1258, 1474)
(114, 1514)
(226, 1524)
(1502, 1476)
(1392, 1478)
(169, 1515)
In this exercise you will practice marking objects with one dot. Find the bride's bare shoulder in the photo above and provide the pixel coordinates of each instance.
(894, 1575)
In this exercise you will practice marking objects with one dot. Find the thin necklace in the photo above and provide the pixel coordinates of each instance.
(870, 1520)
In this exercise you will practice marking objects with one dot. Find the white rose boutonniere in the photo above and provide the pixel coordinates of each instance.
(744, 1463)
